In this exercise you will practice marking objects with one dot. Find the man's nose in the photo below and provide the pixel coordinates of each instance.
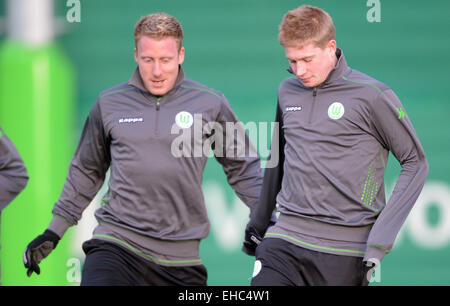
(156, 70)
(300, 70)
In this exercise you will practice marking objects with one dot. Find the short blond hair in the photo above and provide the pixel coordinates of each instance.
(159, 25)
(304, 25)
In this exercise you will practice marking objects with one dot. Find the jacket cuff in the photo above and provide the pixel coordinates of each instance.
(375, 252)
(59, 225)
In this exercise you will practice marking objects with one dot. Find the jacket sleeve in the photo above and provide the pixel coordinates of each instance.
(237, 155)
(273, 176)
(394, 130)
(86, 175)
(13, 174)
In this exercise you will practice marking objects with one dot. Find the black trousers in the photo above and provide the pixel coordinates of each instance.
(107, 264)
(280, 263)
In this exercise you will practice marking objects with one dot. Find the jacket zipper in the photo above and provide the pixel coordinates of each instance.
(158, 103)
(311, 112)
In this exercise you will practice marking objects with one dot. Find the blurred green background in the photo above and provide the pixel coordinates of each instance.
(232, 46)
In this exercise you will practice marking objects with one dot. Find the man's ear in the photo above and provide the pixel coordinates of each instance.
(181, 56)
(135, 55)
(332, 46)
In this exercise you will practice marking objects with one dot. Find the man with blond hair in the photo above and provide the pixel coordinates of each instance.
(153, 215)
(337, 126)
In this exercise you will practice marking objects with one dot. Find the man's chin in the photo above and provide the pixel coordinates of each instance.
(309, 84)
(158, 91)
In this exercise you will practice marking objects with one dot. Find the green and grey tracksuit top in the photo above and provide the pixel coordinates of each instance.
(154, 205)
(13, 174)
(334, 141)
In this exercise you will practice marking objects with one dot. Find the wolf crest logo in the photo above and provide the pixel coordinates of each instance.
(336, 110)
(184, 120)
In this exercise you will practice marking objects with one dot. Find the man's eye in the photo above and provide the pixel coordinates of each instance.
(307, 60)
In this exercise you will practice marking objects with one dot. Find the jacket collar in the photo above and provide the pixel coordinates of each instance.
(339, 70)
(137, 82)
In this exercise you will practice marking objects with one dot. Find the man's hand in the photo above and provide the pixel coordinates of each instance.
(38, 249)
(251, 241)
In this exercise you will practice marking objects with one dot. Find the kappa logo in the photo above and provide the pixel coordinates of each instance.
(184, 120)
(131, 120)
(336, 110)
(293, 108)
(401, 113)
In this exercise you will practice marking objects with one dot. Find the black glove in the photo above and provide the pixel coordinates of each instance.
(38, 249)
(251, 241)
(253, 238)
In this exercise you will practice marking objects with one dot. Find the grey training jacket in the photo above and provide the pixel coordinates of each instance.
(13, 174)
(334, 141)
(154, 205)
